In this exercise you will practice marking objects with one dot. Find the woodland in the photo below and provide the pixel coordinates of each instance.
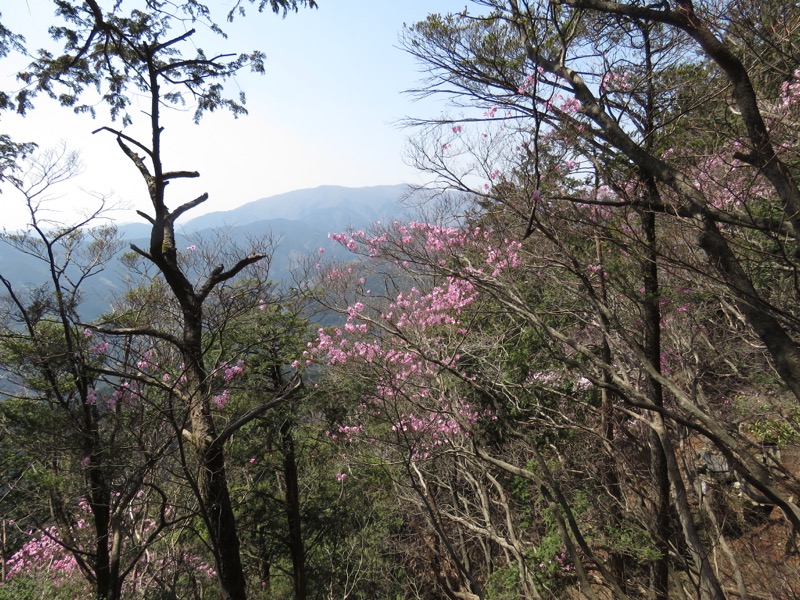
(575, 375)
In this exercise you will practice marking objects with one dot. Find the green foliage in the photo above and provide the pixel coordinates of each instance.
(41, 585)
(768, 417)
(631, 540)
(543, 557)
(111, 52)
(11, 152)
(503, 584)
(778, 431)
(41, 360)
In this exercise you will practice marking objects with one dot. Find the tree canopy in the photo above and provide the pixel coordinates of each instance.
(575, 374)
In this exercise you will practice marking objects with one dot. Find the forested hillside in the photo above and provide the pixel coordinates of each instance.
(581, 382)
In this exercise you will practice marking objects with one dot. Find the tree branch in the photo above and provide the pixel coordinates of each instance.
(218, 275)
(233, 427)
(188, 206)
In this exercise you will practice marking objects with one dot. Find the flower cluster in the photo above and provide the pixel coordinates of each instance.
(404, 342)
(790, 91)
(615, 82)
(228, 372)
(43, 553)
(435, 244)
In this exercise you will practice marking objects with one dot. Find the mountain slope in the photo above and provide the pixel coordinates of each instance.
(299, 221)
(330, 208)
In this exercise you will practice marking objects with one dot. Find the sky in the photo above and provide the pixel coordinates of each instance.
(327, 112)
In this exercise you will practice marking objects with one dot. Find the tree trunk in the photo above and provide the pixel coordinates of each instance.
(220, 512)
(608, 472)
(708, 580)
(296, 546)
(652, 340)
(216, 504)
(661, 524)
(99, 505)
(100, 521)
(212, 482)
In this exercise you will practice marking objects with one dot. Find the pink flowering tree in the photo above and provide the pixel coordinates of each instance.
(572, 140)
(435, 386)
(623, 337)
(484, 340)
(581, 102)
(52, 560)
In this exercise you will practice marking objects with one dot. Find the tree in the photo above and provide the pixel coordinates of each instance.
(78, 479)
(642, 260)
(118, 54)
(586, 85)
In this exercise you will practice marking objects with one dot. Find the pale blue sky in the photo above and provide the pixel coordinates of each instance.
(326, 112)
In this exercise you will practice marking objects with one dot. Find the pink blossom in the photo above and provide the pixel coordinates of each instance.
(99, 348)
(220, 400)
(231, 372)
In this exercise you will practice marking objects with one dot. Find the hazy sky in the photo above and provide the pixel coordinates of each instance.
(326, 112)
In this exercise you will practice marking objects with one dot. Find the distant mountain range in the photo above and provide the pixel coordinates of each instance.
(301, 220)
(328, 208)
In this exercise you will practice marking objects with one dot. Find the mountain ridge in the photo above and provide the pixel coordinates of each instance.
(300, 221)
(317, 205)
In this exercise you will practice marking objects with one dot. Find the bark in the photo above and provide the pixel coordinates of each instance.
(652, 341)
(526, 582)
(420, 486)
(652, 351)
(106, 588)
(296, 545)
(723, 542)
(212, 486)
(710, 585)
(609, 475)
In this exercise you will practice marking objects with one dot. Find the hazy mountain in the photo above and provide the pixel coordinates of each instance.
(329, 207)
(300, 221)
